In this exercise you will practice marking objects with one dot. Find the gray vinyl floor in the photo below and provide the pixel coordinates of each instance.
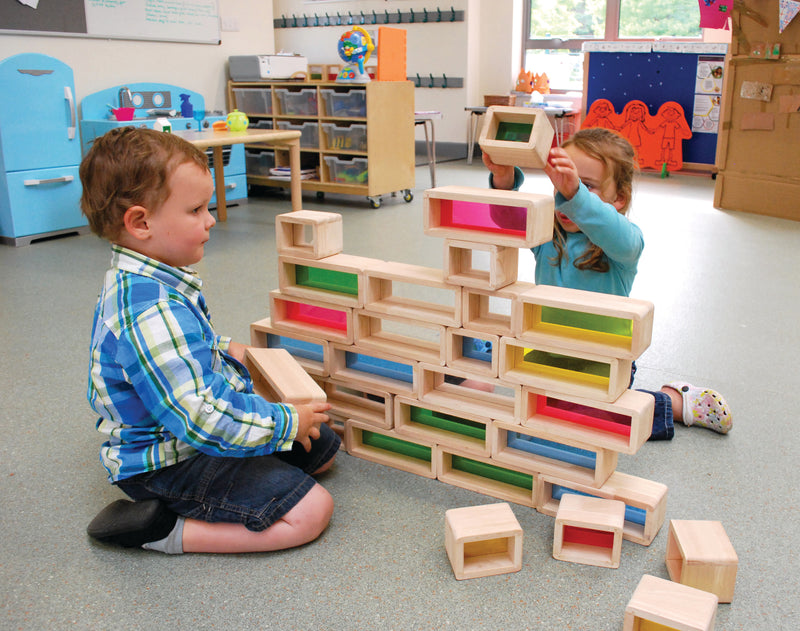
(725, 286)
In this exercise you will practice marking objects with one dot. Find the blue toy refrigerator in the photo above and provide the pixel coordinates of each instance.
(40, 150)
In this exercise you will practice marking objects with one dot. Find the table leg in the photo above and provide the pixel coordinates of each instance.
(472, 134)
(219, 184)
(433, 156)
(295, 189)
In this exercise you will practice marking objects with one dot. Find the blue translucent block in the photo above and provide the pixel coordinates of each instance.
(476, 348)
(632, 514)
(296, 348)
(380, 367)
(550, 449)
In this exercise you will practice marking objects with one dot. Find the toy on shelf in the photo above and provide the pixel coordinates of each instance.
(355, 48)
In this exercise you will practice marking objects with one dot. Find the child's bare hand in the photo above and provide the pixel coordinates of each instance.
(310, 417)
(502, 175)
(562, 172)
(237, 350)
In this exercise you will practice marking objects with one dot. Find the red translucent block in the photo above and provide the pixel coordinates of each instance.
(318, 316)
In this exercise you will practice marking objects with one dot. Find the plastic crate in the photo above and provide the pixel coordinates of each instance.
(253, 100)
(263, 123)
(345, 137)
(347, 171)
(350, 103)
(302, 103)
(309, 133)
(259, 162)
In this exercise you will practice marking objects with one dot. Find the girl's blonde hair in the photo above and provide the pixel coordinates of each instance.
(619, 159)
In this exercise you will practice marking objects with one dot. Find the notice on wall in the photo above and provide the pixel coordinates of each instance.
(707, 94)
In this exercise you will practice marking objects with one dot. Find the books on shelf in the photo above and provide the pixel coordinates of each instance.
(285, 173)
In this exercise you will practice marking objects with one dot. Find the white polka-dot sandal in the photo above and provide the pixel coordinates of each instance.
(704, 407)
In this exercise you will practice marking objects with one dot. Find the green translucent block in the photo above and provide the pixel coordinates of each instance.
(395, 445)
(565, 362)
(329, 280)
(514, 132)
(448, 423)
(587, 321)
(491, 472)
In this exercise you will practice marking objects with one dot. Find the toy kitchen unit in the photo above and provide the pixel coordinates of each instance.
(157, 105)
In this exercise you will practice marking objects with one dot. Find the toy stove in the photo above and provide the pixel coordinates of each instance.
(154, 101)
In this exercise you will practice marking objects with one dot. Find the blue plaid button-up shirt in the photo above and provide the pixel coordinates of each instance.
(161, 380)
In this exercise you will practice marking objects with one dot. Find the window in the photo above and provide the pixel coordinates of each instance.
(554, 30)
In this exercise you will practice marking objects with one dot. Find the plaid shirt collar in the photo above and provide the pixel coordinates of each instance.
(183, 279)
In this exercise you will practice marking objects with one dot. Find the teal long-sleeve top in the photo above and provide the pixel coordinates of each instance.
(600, 223)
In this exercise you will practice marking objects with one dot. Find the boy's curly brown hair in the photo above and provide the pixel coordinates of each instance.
(127, 167)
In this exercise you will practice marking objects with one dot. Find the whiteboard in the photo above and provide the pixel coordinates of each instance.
(195, 21)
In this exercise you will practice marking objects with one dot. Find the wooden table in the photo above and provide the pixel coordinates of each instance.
(286, 139)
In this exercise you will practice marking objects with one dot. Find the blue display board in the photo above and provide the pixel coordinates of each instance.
(654, 77)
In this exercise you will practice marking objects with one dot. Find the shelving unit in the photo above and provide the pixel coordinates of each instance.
(358, 137)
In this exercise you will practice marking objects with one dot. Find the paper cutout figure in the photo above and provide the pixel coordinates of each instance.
(524, 82)
(541, 83)
(657, 139)
(788, 11)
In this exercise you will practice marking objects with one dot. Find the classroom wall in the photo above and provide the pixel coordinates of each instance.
(102, 63)
(483, 50)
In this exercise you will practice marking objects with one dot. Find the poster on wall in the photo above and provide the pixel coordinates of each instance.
(707, 94)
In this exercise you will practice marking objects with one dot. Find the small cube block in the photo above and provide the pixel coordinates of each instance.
(310, 234)
(589, 530)
(516, 136)
(699, 554)
(483, 540)
(659, 604)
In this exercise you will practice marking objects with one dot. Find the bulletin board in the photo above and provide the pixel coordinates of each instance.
(659, 72)
(195, 21)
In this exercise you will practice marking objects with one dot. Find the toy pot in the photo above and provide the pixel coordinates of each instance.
(237, 121)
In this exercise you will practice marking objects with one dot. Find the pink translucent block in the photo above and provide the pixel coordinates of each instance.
(483, 217)
(318, 316)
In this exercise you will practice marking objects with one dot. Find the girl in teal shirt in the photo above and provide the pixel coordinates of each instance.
(596, 248)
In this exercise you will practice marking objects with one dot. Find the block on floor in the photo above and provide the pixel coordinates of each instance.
(660, 605)
(483, 540)
(589, 530)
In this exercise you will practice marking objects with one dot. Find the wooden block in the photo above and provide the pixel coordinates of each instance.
(485, 476)
(589, 531)
(473, 351)
(623, 425)
(502, 402)
(660, 604)
(490, 311)
(441, 425)
(279, 378)
(384, 295)
(549, 453)
(700, 555)
(516, 136)
(337, 279)
(309, 234)
(645, 501)
(312, 318)
(362, 404)
(461, 269)
(413, 339)
(601, 324)
(485, 215)
(386, 447)
(483, 540)
(564, 371)
(312, 353)
(366, 368)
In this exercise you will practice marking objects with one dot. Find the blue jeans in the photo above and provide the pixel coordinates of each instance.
(663, 424)
(254, 491)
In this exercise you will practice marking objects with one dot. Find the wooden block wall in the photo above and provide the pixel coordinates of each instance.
(460, 401)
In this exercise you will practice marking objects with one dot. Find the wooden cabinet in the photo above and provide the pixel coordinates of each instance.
(357, 139)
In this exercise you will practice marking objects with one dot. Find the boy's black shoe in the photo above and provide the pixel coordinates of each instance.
(132, 524)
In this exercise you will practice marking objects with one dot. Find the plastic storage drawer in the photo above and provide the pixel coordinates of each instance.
(347, 171)
(259, 162)
(302, 103)
(344, 137)
(264, 123)
(253, 100)
(309, 133)
(351, 103)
